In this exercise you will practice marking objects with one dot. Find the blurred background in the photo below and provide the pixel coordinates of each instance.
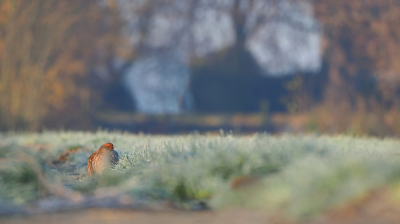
(177, 66)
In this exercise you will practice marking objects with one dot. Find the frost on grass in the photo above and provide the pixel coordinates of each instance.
(300, 175)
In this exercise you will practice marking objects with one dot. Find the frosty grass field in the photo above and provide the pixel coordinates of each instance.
(299, 175)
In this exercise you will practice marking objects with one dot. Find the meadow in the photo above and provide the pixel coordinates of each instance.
(297, 176)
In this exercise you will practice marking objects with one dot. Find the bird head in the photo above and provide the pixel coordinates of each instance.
(109, 146)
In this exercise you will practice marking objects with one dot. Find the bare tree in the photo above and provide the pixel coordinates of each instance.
(45, 48)
(197, 28)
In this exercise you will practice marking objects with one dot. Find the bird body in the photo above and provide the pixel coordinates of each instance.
(101, 159)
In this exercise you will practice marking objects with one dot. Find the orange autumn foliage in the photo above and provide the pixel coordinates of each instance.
(46, 48)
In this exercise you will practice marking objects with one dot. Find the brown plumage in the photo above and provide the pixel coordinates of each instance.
(101, 159)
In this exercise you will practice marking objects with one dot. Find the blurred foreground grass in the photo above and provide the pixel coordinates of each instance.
(297, 175)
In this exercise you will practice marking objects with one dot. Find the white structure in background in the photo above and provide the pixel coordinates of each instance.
(193, 27)
(158, 84)
(288, 41)
(282, 35)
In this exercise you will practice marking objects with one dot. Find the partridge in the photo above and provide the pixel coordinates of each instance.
(101, 159)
